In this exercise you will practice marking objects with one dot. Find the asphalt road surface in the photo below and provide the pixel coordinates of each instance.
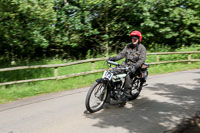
(163, 103)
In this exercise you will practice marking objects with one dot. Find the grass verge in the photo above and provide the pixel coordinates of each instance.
(18, 91)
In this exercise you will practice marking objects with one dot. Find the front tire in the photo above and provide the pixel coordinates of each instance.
(96, 97)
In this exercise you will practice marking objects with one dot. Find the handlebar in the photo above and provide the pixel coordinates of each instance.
(125, 68)
(113, 63)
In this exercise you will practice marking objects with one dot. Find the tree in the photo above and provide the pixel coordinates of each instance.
(173, 23)
(25, 27)
(76, 28)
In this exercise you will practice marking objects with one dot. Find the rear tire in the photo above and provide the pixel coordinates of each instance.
(137, 87)
(99, 92)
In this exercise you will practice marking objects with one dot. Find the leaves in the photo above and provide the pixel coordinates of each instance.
(25, 26)
(33, 28)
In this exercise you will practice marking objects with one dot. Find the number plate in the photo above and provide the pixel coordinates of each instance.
(107, 75)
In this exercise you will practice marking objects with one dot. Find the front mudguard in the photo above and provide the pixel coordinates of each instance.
(101, 80)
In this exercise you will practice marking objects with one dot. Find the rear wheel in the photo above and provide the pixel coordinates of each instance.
(96, 97)
(136, 89)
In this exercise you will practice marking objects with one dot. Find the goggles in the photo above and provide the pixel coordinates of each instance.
(134, 38)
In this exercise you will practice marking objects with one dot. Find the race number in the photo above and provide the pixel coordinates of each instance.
(107, 75)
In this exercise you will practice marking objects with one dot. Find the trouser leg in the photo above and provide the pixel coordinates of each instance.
(128, 82)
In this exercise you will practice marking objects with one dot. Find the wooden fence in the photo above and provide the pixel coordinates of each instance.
(92, 61)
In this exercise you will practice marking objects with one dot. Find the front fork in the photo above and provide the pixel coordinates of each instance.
(107, 84)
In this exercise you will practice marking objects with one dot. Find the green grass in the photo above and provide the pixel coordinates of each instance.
(172, 67)
(18, 91)
(75, 69)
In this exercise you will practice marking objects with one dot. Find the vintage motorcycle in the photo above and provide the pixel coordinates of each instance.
(111, 86)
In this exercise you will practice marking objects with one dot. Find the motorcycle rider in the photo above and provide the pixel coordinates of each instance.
(135, 56)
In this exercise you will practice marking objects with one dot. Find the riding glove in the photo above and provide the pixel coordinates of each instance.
(112, 58)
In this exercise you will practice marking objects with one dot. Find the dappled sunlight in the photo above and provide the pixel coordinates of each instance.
(160, 106)
(176, 94)
(155, 96)
(169, 97)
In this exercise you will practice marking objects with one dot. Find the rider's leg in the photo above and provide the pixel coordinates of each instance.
(128, 84)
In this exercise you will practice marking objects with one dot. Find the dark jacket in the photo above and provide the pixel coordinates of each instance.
(134, 55)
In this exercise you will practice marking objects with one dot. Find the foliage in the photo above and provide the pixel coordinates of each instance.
(31, 29)
(25, 27)
(174, 23)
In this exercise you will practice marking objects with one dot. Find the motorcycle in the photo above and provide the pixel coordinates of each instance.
(111, 86)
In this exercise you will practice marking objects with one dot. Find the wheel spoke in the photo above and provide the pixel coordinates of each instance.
(98, 96)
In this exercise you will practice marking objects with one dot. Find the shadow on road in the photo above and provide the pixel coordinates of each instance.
(164, 107)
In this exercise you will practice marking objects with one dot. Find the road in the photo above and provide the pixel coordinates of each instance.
(164, 102)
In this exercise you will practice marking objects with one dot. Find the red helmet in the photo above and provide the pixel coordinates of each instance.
(136, 33)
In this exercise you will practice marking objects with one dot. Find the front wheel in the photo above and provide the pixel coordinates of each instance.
(96, 97)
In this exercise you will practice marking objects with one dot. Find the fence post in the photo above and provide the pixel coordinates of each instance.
(157, 58)
(55, 71)
(93, 65)
(189, 58)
